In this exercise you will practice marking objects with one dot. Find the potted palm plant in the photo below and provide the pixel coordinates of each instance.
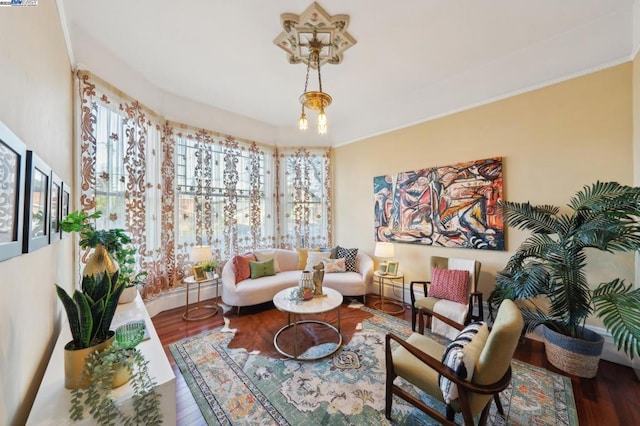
(547, 272)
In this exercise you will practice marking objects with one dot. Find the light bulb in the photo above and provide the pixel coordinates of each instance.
(302, 123)
(322, 122)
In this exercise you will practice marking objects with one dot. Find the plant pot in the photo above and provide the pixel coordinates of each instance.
(74, 362)
(579, 357)
(128, 295)
(211, 275)
(100, 262)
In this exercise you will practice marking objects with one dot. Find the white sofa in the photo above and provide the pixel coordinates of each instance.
(255, 291)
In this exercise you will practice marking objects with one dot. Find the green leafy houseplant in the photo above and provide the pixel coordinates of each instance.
(101, 367)
(116, 241)
(210, 266)
(91, 310)
(550, 263)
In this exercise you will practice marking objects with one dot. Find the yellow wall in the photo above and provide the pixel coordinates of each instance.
(636, 138)
(553, 141)
(36, 104)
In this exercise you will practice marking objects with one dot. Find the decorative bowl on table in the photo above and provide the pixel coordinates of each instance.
(130, 334)
(305, 293)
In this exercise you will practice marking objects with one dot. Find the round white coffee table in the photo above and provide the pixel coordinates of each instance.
(286, 301)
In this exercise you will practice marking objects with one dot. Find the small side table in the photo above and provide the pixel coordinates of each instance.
(214, 309)
(385, 300)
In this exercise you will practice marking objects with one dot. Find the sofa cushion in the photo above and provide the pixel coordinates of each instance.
(331, 250)
(334, 265)
(349, 255)
(302, 256)
(450, 284)
(461, 356)
(264, 268)
(266, 255)
(313, 258)
(347, 283)
(241, 266)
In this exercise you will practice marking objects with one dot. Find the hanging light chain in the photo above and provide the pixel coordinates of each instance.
(316, 56)
(314, 100)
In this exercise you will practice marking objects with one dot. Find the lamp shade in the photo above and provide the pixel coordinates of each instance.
(200, 253)
(384, 250)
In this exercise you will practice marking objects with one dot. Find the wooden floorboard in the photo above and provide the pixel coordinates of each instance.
(611, 398)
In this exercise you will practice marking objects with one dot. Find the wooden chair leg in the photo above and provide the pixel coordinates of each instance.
(388, 399)
(414, 314)
(390, 376)
(485, 414)
(496, 398)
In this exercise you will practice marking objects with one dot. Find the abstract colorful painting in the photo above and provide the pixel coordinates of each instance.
(449, 206)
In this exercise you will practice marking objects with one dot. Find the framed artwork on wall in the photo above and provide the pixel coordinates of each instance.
(65, 203)
(55, 208)
(12, 171)
(445, 206)
(36, 207)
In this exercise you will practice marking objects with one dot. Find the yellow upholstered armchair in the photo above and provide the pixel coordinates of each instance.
(456, 302)
(465, 375)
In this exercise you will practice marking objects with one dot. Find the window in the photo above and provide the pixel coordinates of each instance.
(172, 187)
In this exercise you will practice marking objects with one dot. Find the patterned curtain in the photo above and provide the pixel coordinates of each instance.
(120, 142)
(224, 194)
(172, 186)
(305, 197)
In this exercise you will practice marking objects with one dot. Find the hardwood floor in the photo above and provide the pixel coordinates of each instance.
(611, 398)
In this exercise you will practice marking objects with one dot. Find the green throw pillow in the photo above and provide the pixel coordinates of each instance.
(262, 269)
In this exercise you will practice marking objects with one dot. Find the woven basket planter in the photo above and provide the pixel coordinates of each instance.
(579, 357)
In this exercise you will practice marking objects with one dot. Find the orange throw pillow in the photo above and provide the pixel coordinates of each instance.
(241, 266)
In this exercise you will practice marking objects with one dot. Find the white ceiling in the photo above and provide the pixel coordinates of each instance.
(414, 59)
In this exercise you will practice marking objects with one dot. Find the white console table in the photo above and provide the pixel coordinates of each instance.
(51, 406)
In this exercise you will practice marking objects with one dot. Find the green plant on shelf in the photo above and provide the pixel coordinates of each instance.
(97, 398)
(116, 241)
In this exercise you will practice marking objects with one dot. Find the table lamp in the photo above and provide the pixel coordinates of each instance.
(385, 251)
(200, 254)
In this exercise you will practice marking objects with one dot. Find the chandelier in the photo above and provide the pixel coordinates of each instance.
(314, 37)
(316, 100)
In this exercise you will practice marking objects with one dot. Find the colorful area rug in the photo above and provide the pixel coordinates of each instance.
(234, 387)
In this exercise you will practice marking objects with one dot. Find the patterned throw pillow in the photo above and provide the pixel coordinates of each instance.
(266, 255)
(349, 256)
(450, 284)
(313, 258)
(241, 266)
(461, 356)
(264, 268)
(334, 265)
